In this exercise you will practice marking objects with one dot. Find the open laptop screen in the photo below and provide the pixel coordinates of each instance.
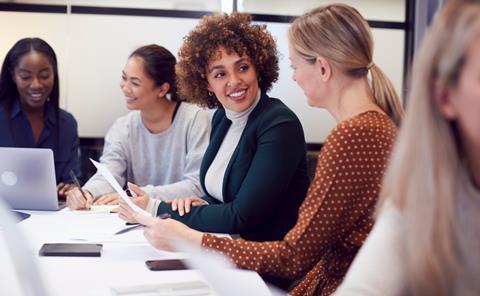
(27, 178)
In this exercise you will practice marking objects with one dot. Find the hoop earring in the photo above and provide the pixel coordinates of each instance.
(210, 94)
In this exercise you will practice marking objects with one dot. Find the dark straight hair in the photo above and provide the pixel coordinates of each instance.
(8, 88)
(159, 64)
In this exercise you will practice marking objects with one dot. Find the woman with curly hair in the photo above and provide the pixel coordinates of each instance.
(254, 169)
(331, 51)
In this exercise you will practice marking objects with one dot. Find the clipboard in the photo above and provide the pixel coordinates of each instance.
(71, 250)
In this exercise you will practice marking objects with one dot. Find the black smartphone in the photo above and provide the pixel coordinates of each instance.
(71, 250)
(167, 264)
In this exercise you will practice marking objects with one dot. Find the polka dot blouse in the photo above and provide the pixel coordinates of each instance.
(336, 216)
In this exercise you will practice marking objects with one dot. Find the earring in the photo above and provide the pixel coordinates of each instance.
(210, 94)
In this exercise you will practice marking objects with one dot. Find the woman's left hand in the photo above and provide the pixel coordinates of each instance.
(63, 188)
(125, 212)
(160, 232)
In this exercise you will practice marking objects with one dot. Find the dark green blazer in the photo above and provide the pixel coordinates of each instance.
(265, 181)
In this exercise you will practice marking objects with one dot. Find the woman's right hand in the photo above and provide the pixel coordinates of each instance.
(183, 205)
(141, 198)
(76, 201)
(108, 199)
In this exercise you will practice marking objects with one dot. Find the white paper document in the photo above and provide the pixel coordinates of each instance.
(102, 169)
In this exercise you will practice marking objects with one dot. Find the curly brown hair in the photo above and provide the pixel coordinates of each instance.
(236, 34)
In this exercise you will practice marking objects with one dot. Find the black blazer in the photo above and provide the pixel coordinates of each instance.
(265, 181)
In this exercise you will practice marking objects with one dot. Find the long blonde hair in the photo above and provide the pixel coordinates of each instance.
(340, 34)
(422, 178)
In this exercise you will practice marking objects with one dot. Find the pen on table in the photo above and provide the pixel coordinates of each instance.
(75, 181)
(137, 225)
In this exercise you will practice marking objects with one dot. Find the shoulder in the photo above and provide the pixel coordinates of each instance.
(123, 125)
(67, 126)
(364, 130)
(188, 112)
(275, 108)
(188, 108)
(271, 112)
(126, 121)
(365, 139)
(66, 119)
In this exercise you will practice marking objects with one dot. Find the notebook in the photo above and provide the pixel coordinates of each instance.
(27, 179)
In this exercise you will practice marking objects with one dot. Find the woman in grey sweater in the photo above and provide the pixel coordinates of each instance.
(160, 144)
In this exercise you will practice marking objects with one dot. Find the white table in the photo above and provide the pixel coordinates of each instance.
(122, 262)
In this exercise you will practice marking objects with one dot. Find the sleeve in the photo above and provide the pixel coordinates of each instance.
(335, 202)
(280, 149)
(115, 157)
(381, 251)
(73, 160)
(197, 138)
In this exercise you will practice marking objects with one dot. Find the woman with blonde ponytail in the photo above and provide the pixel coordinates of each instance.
(427, 237)
(340, 35)
(331, 51)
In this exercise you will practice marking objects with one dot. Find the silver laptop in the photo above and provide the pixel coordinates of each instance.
(27, 178)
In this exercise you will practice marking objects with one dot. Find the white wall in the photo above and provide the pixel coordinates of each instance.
(50, 27)
(205, 5)
(92, 50)
(317, 123)
(379, 10)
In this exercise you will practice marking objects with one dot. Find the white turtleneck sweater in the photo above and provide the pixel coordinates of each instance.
(216, 172)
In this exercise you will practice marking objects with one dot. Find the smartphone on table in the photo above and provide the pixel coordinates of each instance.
(166, 264)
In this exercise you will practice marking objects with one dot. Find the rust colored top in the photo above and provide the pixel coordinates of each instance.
(336, 216)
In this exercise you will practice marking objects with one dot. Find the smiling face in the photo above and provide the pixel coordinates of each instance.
(34, 78)
(233, 80)
(139, 89)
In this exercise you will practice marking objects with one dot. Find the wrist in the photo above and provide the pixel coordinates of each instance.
(195, 237)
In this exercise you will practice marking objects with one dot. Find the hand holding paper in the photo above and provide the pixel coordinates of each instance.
(102, 169)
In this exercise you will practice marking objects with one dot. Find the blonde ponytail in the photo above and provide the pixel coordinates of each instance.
(385, 95)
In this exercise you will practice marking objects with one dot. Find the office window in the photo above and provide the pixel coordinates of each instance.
(378, 10)
(197, 5)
